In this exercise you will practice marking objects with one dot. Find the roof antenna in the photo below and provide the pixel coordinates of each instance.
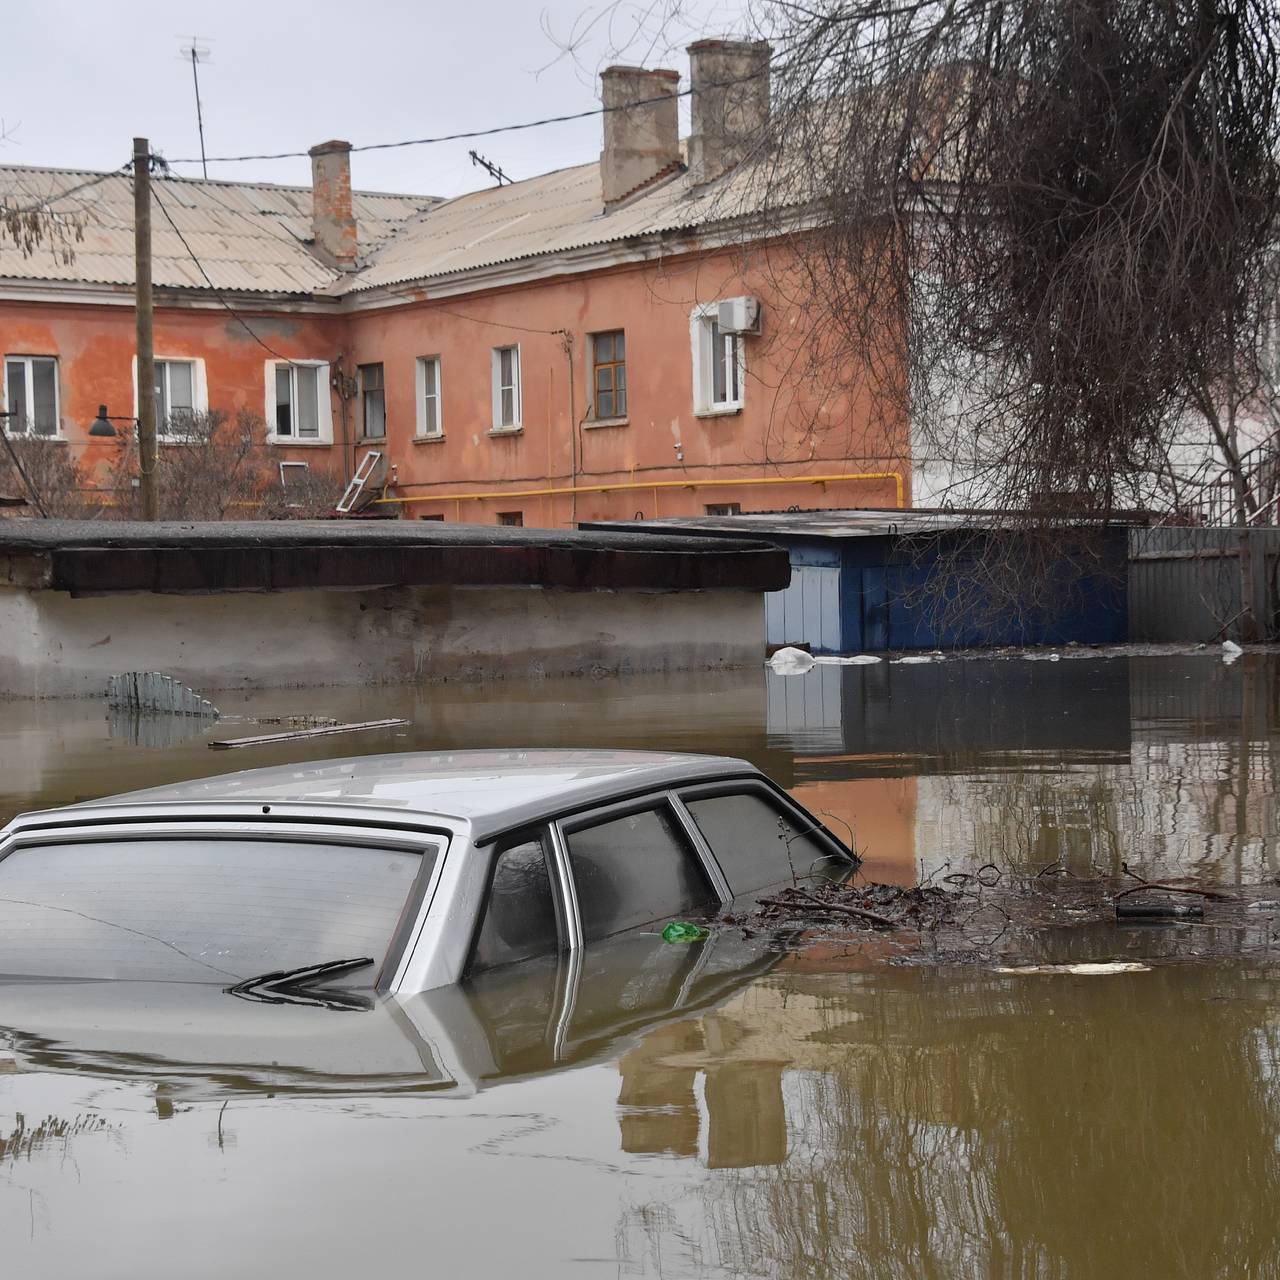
(489, 167)
(197, 53)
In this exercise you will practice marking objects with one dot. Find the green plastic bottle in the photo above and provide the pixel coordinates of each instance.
(684, 931)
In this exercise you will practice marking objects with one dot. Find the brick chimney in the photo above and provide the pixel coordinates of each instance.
(333, 225)
(730, 109)
(640, 141)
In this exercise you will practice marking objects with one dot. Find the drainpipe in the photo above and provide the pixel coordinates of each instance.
(345, 388)
(566, 343)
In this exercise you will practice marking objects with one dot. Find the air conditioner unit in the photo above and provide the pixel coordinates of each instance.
(739, 315)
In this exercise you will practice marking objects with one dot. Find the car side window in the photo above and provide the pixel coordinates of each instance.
(520, 912)
(754, 842)
(636, 869)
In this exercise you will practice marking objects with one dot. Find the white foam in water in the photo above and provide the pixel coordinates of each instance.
(796, 662)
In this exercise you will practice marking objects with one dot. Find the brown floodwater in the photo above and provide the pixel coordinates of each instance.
(728, 1109)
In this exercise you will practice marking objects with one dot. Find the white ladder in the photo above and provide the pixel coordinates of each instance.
(351, 494)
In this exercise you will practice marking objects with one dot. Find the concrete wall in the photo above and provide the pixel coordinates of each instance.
(60, 646)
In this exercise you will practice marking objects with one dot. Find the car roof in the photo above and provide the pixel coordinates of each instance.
(493, 790)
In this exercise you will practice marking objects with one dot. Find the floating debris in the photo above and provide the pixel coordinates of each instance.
(684, 931)
(882, 906)
(790, 661)
(1158, 909)
(1088, 969)
(292, 735)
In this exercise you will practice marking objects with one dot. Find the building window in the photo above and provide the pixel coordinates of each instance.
(609, 375)
(438, 516)
(430, 422)
(724, 508)
(506, 388)
(175, 398)
(298, 405)
(513, 518)
(373, 401)
(719, 364)
(31, 395)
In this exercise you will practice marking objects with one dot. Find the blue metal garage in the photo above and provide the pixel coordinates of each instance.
(869, 580)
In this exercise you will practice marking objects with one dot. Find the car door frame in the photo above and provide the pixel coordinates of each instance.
(564, 826)
(809, 823)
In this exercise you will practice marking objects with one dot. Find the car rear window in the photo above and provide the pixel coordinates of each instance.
(754, 842)
(198, 910)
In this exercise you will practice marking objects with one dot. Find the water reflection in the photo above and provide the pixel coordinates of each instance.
(818, 1115)
(951, 1124)
(723, 1110)
(1167, 763)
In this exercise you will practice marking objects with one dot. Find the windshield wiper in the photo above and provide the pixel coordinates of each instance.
(287, 986)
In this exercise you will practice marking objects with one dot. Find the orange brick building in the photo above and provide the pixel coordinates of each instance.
(600, 342)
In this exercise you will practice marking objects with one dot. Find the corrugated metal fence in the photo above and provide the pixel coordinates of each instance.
(1185, 583)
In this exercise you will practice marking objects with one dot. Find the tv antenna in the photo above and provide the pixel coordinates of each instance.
(490, 168)
(197, 53)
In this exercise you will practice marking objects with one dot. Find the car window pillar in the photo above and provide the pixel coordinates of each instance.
(704, 850)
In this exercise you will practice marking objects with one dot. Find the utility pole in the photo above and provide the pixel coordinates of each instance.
(145, 315)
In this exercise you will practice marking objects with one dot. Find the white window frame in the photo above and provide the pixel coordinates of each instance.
(517, 424)
(324, 404)
(199, 392)
(701, 320)
(29, 394)
(421, 431)
(197, 401)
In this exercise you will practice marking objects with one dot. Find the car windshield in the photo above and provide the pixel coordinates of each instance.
(199, 910)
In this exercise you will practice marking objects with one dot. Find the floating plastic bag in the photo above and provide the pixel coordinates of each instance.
(684, 931)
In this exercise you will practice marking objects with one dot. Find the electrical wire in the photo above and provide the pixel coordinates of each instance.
(63, 195)
(217, 293)
(487, 133)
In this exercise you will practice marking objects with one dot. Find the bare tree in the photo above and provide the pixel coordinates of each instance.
(1067, 208)
(218, 466)
(45, 477)
(30, 220)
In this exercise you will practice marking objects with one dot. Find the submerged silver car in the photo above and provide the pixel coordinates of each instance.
(400, 872)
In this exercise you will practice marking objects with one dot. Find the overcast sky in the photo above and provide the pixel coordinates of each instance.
(82, 77)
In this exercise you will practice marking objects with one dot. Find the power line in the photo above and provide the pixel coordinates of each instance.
(217, 293)
(487, 133)
(70, 191)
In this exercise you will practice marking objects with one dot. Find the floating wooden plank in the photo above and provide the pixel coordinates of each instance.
(293, 735)
(151, 692)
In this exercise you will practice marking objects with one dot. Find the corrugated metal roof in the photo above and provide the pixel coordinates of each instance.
(855, 522)
(250, 237)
